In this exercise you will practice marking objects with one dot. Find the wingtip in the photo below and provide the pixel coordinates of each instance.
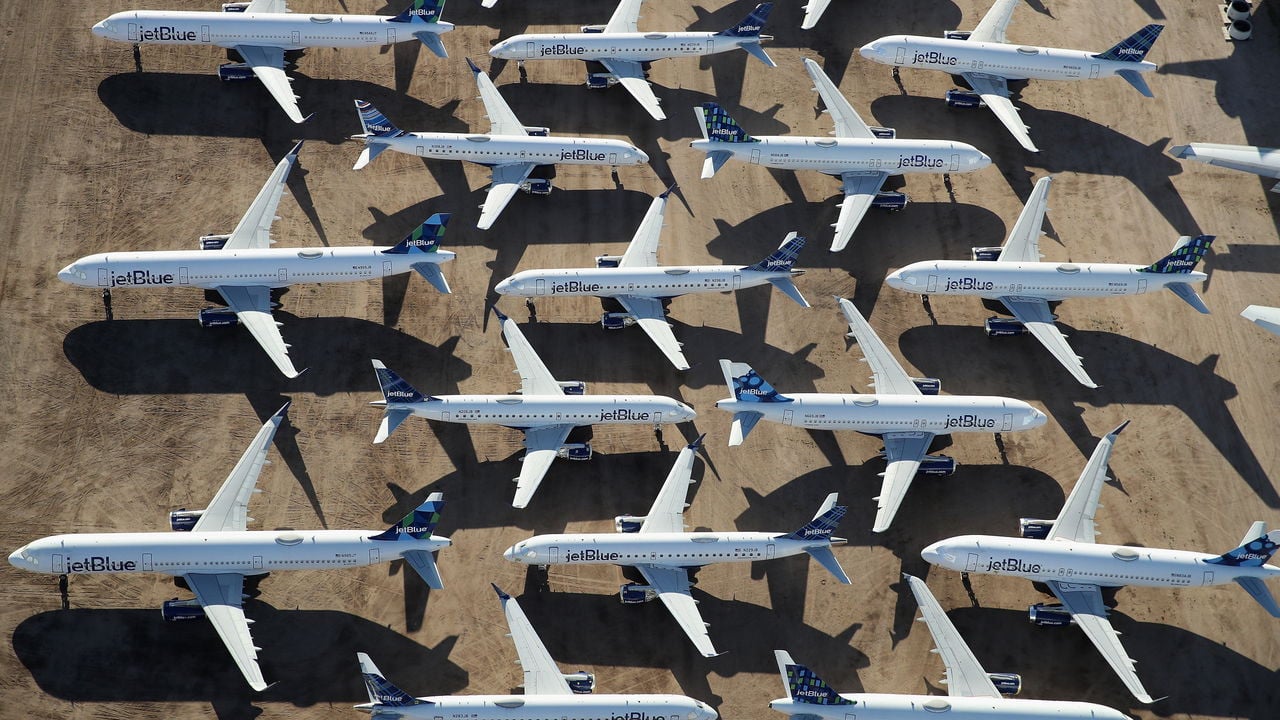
(283, 409)
(501, 595)
(667, 192)
(697, 443)
(474, 68)
(1121, 428)
(297, 147)
(498, 313)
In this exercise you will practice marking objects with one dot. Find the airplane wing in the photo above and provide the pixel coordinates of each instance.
(630, 74)
(506, 181)
(541, 445)
(1267, 318)
(502, 121)
(653, 320)
(535, 378)
(903, 451)
(643, 250)
(992, 26)
(859, 188)
(253, 232)
(667, 513)
(813, 13)
(229, 508)
(1034, 315)
(267, 63)
(848, 123)
(541, 676)
(965, 676)
(1075, 521)
(624, 17)
(220, 597)
(1023, 243)
(887, 375)
(672, 586)
(1084, 602)
(995, 93)
(252, 305)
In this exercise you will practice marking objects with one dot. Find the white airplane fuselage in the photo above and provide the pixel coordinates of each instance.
(271, 267)
(540, 707)
(1047, 280)
(530, 411)
(834, 156)
(878, 414)
(667, 549)
(884, 706)
(247, 552)
(1013, 62)
(1105, 565)
(655, 282)
(503, 149)
(636, 46)
(290, 31)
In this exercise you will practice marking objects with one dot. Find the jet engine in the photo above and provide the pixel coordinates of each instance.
(183, 520)
(1049, 615)
(938, 465)
(963, 99)
(581, 682)
(890, 200)
(1034, 529)
(1003, 327)
(573, 387)
(616, 321)
(593, 28)
(234, 71)
(218, 317)
(608, 261)
(635, 593)
(985, 254)
(536, 131)
(957, 34)
(575, 451)
(883, 133)
(628, 523)
(176, 610)
(213, 242)
(536, 186)
(1008, 684)
(928, 386)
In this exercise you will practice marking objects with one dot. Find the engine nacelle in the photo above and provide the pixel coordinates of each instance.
(536, 131)
(1034, 529)
(1049, 615)
(963, 99)
(1009, 684)
(176, 610)
(957, 34)
(575, 451)
(593, 28)
(938, 465)
(628, 523)
(890, 200)
(581, 682)
(536, 186)
(235, 7)
(986, 254)
(573, 387)
(635, 593)
(217, 317)
(617, 321)
(1003, 327)
(213, 242)
(183, 520)
(883, 133)
(928, 386)
(600, 81)
(234, 71)
(608, 261)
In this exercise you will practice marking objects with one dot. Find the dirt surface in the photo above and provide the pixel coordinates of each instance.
(106, 426)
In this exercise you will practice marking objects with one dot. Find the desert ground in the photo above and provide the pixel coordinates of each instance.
(108, 425)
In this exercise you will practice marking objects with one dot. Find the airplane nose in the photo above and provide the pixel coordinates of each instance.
(510, 553)
(687, 413)
(642, 155)
(66, 275)
(16, 559)
(100, 28)
(1037, 419)
(894, 280)
(932, 554)
(505, 287)
(869, 51)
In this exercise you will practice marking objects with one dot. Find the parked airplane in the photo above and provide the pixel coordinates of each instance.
(1026, 286)
(636, 281)
(617, 53)
(545, 409)
(906, 413)
(216, 553)
(261, 31)
(1062, 555)
(862, 156)
(987, 63)
(548, 693)
(657, 545)
(243, 269)
(1267, 318)
(972, 692)
(1245, 158)
(510, 149)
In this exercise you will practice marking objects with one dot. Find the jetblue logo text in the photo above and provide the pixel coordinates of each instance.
(748, 28)
(1129, 51)
(970, 421)
(811, 693)
(141, 277)
(726, 132)
(1012, 565)
(933, 57)
(969, 284)
(101, 564)
(625, 414)
(423, 12)
(561, 49)
(399, 394)
(591, 556)
(412, 529)
(166, 34)
(919, 161)
(573, 286)
(580, 155)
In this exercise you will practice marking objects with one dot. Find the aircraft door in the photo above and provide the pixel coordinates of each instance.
(901, 57)
(104, 277)
(373, 555)
(146, 562)
(204, 33)
(955, 163)
(540, 287)
(1007, 425)
(850, 716)
(613, 158)
(391, 36)
(133, 32)
(1093, 70)
(1142, 286)
(553, 553)
(444, 416)
(297, 39)
(60, 565)
(737, 281)
(1208, 576)
(768, 551)
(422, 151)
(283, 275)
(184, 276)
(528, 50)
(933, 283)
(972, 563)
(788, 416)
(755, 157)
(710, 47)
(386, 267)
(257, 562)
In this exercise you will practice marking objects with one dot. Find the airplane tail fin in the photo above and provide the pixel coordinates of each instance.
(424, 239)
(1184, 257)
(751, 24)
(395, 390)
(1133, 48)
(423, 11)
(418, 524)
(823, 523)
(1254, 551)
(381, 692)
(717, 125)
(803, 685)
(782, 258)
(375, 124)
(746, 385)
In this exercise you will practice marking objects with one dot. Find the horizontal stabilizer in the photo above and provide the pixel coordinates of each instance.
(827, 559)
(1189, 294)
(1258, 591)
(433, 42)
(713, 163)
(370, 151)
(391, 420)
(743, 422)
(431, 272)
(425, 564)
(1267, 318)
(1135, 79)
(757, 52)
(788, 288)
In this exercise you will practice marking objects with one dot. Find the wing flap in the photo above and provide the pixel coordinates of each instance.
(903, 451)
(268, 64)
(220, 596)
(860, 189)
(1035, 316)
(1084, 602)
(672, 586)
(541, 447)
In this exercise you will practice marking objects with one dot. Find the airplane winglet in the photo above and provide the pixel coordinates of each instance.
(284, 409)
(667, 192)
(296, 148)
(501, 595)
(498, 313)
(474, 68)
(695, 445)
(1119, 429)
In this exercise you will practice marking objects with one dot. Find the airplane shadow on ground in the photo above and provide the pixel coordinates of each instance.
(135, 656)
(1126, 369)
(1227, 684)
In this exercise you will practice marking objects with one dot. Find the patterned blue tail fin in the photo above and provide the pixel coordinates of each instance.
(782, 258)
(747, 385)
(421, 11)
(417, 524)
(376, 124)
(718, 126)
(424, 239)
(751, 24)
(381, 691)
(1133, 48)
(821, 527)
(804, 686)
(395, 389)
(1254, 553)
(1186, 254)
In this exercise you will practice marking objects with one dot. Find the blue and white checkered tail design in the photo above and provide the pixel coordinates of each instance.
(381, 691)
(426, 11)
(782, 258)
(752, 24)
(1133, 48)
(418, 524)
(721, 127)
(821, 527)
(1254, 553)
(424, 239)
(376, 124)
(396, 389)
(1186, 254)
(747, 385)
(806, 687)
